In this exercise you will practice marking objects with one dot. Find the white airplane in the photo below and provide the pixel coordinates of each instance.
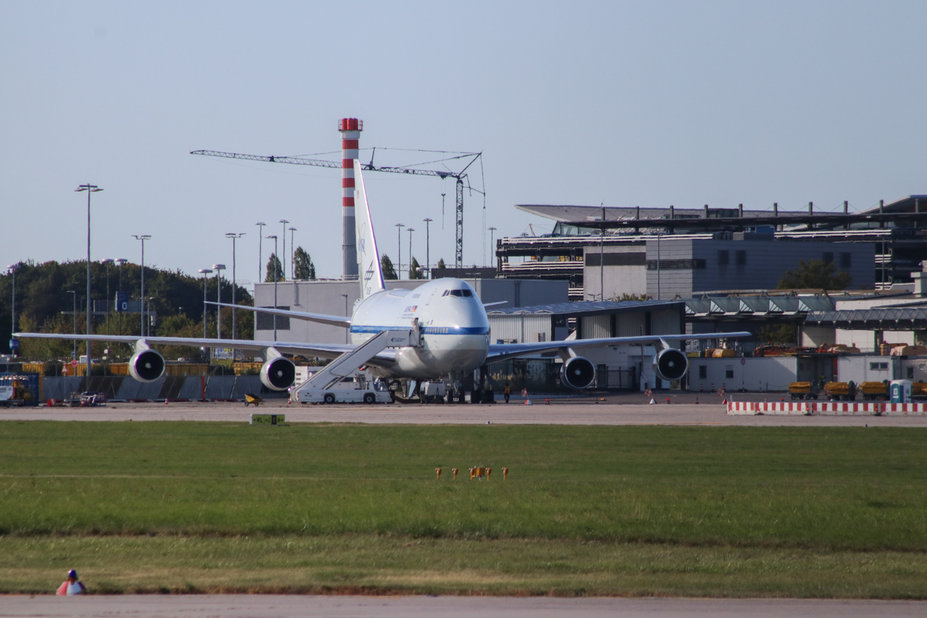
(444, 322)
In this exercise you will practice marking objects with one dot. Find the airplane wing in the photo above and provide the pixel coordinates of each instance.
(501, 351)
(322, 318)
(324, 350)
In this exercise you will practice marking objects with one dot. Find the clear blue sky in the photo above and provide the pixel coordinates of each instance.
(622, 103)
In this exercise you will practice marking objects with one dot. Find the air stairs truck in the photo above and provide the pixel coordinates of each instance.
(341, 381)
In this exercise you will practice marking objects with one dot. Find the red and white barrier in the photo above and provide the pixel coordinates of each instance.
(904, 409)
(839, 408)
(769, 407)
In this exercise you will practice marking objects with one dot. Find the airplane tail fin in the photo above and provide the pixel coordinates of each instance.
(369, 270)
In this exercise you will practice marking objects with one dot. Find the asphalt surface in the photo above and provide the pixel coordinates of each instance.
(293, 606)
(622, 409)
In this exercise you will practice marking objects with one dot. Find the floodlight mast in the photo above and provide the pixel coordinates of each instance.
(470, 157)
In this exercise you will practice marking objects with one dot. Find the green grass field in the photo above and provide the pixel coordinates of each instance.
(692, 511)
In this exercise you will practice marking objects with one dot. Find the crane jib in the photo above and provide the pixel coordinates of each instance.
(442, 174)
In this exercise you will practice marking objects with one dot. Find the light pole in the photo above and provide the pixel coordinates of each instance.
(12, 269)
(410, 230)
(142, 238)
(348, 329)
(218, 268)
(234, 237)
(283, 261)
(292, 254)
(204, 272)
(106, 262)
(260, 225)
(89, 188)
(399, 227)
(428, 221)
(74, 321)
(274, 236)
(119, 263)
(492, 243)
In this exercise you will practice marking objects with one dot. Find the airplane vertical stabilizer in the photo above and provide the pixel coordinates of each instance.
(370, 274)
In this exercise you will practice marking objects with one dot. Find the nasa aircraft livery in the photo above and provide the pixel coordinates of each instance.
(443, 322)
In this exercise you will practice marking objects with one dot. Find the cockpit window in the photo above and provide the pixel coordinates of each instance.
(463, 292)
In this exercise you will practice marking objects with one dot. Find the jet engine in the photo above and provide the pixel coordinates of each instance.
(278, 373)
(670, 364)
(577, 372)
(146, 365)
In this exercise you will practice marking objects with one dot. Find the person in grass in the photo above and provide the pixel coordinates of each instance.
(71, 586)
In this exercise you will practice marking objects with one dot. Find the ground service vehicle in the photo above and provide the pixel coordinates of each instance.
(357, 389)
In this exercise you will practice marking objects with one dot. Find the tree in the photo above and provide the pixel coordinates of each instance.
(815, 274)
(415, 270)
(386, 265)
(43, 305)
(441, 265)
(273, 264)
(303, 268)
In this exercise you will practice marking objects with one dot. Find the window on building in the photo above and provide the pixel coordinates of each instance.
(729, 373)
(828, 257)
(741, 257)
(878, 366)
(724, 257)
(846, 259)
(702, 372)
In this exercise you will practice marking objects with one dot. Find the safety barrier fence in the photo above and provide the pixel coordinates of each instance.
(836, 408)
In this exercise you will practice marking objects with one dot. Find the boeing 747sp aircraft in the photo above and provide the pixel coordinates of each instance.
(436, 330)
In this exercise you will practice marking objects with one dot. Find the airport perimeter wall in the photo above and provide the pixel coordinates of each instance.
(122, 388)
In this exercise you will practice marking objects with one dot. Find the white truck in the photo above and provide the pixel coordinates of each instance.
(356, 389)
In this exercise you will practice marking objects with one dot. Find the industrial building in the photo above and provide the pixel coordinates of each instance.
(610, 252)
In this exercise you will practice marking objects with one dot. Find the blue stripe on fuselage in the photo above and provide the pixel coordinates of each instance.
(426, 330)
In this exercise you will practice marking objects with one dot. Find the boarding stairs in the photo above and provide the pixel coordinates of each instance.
(348, 363)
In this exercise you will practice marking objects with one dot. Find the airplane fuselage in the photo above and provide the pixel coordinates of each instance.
(451, 319)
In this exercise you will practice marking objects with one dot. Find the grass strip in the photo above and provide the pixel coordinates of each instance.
(695, 511)
(372, 564)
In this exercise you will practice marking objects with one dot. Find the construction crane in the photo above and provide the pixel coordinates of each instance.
(469, 157)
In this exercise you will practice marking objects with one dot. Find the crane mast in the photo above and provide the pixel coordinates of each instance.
(442, 174)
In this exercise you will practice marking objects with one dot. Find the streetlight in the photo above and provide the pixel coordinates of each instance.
(399, 227)
(12, 269)
(346, 330)
(106, 262)
(292, 254)
(218, 268)
(204, 272)
(492, 242)
(234, 237)
(89, 188)
(283, 261)
(260, 225)
(428, 221)
(119, 262)
(410, 230)
(274, 265)
(142, 238)
(74, 321)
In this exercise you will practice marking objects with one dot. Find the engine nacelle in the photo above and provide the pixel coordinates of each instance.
(146, 365)
(577, 372)
(670, 364)
(278, 374)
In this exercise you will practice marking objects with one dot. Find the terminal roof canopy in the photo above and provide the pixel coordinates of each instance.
(903, 212)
